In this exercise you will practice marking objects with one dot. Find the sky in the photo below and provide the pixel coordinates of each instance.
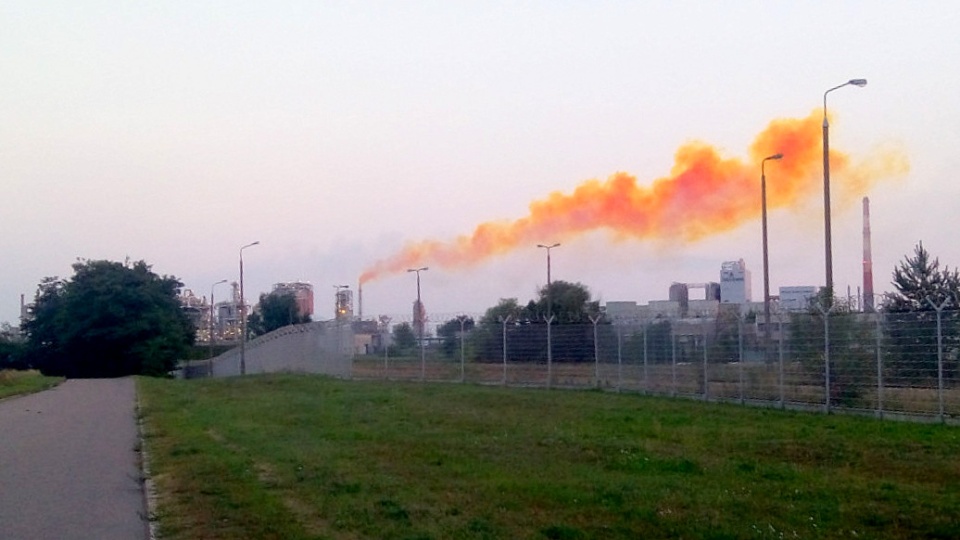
(346, 136)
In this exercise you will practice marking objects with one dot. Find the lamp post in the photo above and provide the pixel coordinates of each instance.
(766, 265)
(243, 314)
(828, 247)
(212, 307)
(549, 315)
(418, 320)
(549, 292)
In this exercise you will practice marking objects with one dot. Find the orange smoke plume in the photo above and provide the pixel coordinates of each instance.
(705, 194)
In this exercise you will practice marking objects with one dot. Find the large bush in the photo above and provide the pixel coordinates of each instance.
(110, 320)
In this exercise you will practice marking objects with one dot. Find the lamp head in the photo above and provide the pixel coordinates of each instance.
(775, 156)
(858, 82)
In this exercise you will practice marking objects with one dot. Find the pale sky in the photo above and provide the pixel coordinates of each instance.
(336, 132)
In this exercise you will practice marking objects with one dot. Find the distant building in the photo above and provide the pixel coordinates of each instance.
(343, 304)
(227, 320)
(194, 306)
(797, 298)
(663, 309)
(700, 309)
(680, 293)
(622, 311)
(735, 283)
(302, 292)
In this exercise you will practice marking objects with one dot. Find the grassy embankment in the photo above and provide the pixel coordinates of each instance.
(297, 457)
(13, 382)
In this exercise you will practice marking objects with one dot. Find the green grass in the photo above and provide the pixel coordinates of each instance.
(14, 383)
(297, 457)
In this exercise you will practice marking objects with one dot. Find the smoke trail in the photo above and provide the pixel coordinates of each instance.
(705, 194)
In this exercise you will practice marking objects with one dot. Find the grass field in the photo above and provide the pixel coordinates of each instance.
(297, 457)
(13, 382)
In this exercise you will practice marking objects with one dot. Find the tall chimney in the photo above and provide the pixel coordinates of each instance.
(867, 259)
(360, 301)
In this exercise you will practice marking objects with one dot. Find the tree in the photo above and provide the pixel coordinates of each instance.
(918, 281)
(568, 302)
(911, 320)
(449, 332)
(526, 329)
(11, 348)
(506, 307)
(273, 311)
(110, 320)
(404, 339)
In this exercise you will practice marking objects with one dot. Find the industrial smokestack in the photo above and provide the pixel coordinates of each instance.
(360, 301)
(867, 259)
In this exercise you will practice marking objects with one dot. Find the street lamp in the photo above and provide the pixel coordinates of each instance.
(766, 266)
(549, 292)
(549, 315)
(418, 320)
(212, 307)
(243, 314)
(828, 247)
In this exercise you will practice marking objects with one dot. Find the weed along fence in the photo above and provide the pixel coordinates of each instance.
(888, 365)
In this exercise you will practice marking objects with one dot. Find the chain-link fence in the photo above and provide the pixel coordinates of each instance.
(903, 365)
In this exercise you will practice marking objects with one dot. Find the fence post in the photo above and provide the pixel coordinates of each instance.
(673, 364)
(423, 351)
(939, 353)
(503, 322)
(646, 380)
(826, 352)
(619, 357)
(879, 334)
(463, 321)
(596, 351)
(386, 348)
(550, 350)
(740, 318)
(706, 376)
(780, 378)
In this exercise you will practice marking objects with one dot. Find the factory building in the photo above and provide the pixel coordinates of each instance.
(302, 292)
(343, 304)
(735, 283)
(680, 293)
(797, 298)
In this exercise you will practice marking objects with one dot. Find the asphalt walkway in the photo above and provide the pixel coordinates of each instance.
(68, 463)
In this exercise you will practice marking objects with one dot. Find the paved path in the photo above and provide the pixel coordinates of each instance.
(68, 465)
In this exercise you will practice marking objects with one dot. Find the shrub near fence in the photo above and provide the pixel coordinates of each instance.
(882, 364)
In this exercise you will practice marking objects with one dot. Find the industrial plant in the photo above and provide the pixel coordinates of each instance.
(219, 322)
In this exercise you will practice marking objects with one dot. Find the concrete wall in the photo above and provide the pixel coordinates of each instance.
(317, 347)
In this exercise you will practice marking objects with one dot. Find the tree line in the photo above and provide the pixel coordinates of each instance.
(114, 319)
